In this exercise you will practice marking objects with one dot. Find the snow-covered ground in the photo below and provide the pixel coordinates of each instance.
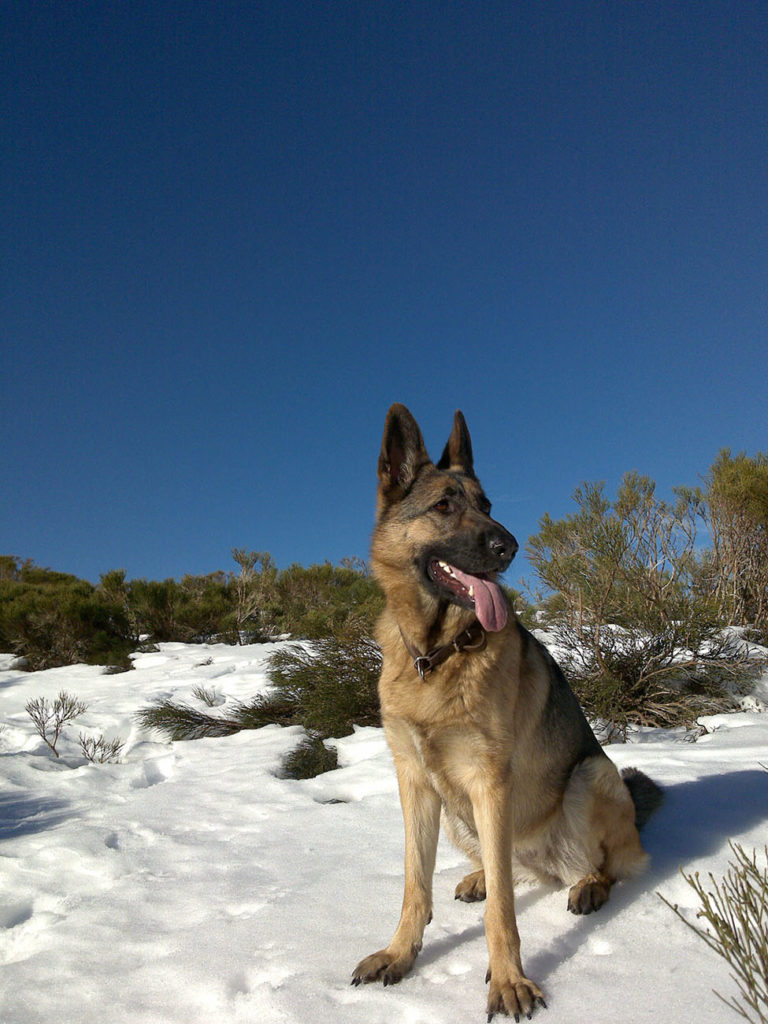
(189, 883)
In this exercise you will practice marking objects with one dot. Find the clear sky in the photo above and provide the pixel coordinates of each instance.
(234, 233)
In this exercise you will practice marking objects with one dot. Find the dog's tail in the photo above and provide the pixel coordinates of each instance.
(646, 795)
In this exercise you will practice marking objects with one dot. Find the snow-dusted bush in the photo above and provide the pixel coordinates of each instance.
(637, 628)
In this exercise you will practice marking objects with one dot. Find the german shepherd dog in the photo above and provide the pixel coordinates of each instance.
(482, 724)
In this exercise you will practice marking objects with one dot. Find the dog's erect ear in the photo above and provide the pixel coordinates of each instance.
(458, 452)
(402, 451)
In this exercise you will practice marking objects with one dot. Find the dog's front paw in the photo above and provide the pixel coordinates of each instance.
(383, 966)
(513, 996)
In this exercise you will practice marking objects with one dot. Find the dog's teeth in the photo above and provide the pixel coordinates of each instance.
(472, 592)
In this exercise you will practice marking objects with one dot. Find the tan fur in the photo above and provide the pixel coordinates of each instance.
(474, 741)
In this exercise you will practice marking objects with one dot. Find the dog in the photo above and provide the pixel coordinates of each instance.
(484, 729)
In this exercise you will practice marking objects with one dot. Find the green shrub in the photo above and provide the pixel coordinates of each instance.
(637, 677)
(182, 722)
(526, 611)
(272, 708)
(639, 634)
(736, 503)
(321, 600)
(309, 759)
(204, 695)
(620, 705)
(203, 610)
(153, 605)
(52, 619)
(327, 687)
(332, 683)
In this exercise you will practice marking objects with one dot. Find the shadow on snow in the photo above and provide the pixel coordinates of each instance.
(26, 815)
(698, 817)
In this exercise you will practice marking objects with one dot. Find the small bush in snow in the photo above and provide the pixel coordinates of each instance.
(333, 684)
(736, 910)
(181, 722)
(271, 708)
(309, 759)
(328, 688)
(204, 695)
(99, 750)
(49, 719)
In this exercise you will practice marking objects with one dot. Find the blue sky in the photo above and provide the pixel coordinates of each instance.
(234, 233)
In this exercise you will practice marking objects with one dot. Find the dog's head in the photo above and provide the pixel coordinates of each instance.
(434, 521)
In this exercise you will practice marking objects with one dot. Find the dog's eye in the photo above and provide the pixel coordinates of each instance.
(443, 506)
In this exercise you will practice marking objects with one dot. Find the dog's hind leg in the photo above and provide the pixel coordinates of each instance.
(471, 889)
(589, 894)
(609, 839)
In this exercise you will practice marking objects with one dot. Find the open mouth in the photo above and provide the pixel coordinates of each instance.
(473, 591)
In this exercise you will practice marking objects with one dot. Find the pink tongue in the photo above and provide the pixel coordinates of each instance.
(490, 603)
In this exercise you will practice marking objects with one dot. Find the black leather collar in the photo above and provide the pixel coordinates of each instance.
(473, 638)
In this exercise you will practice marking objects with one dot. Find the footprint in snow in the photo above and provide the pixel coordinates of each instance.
(152, 773)
(16, 914)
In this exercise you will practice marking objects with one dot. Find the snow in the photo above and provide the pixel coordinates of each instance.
(190, 883)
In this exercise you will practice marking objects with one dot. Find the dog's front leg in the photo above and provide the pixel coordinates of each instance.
(510, 991)
(421, 815)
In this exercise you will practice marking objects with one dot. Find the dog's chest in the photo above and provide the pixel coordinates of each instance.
(454, 759)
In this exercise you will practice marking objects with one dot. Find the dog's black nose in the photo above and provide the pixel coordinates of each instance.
(504, 547)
